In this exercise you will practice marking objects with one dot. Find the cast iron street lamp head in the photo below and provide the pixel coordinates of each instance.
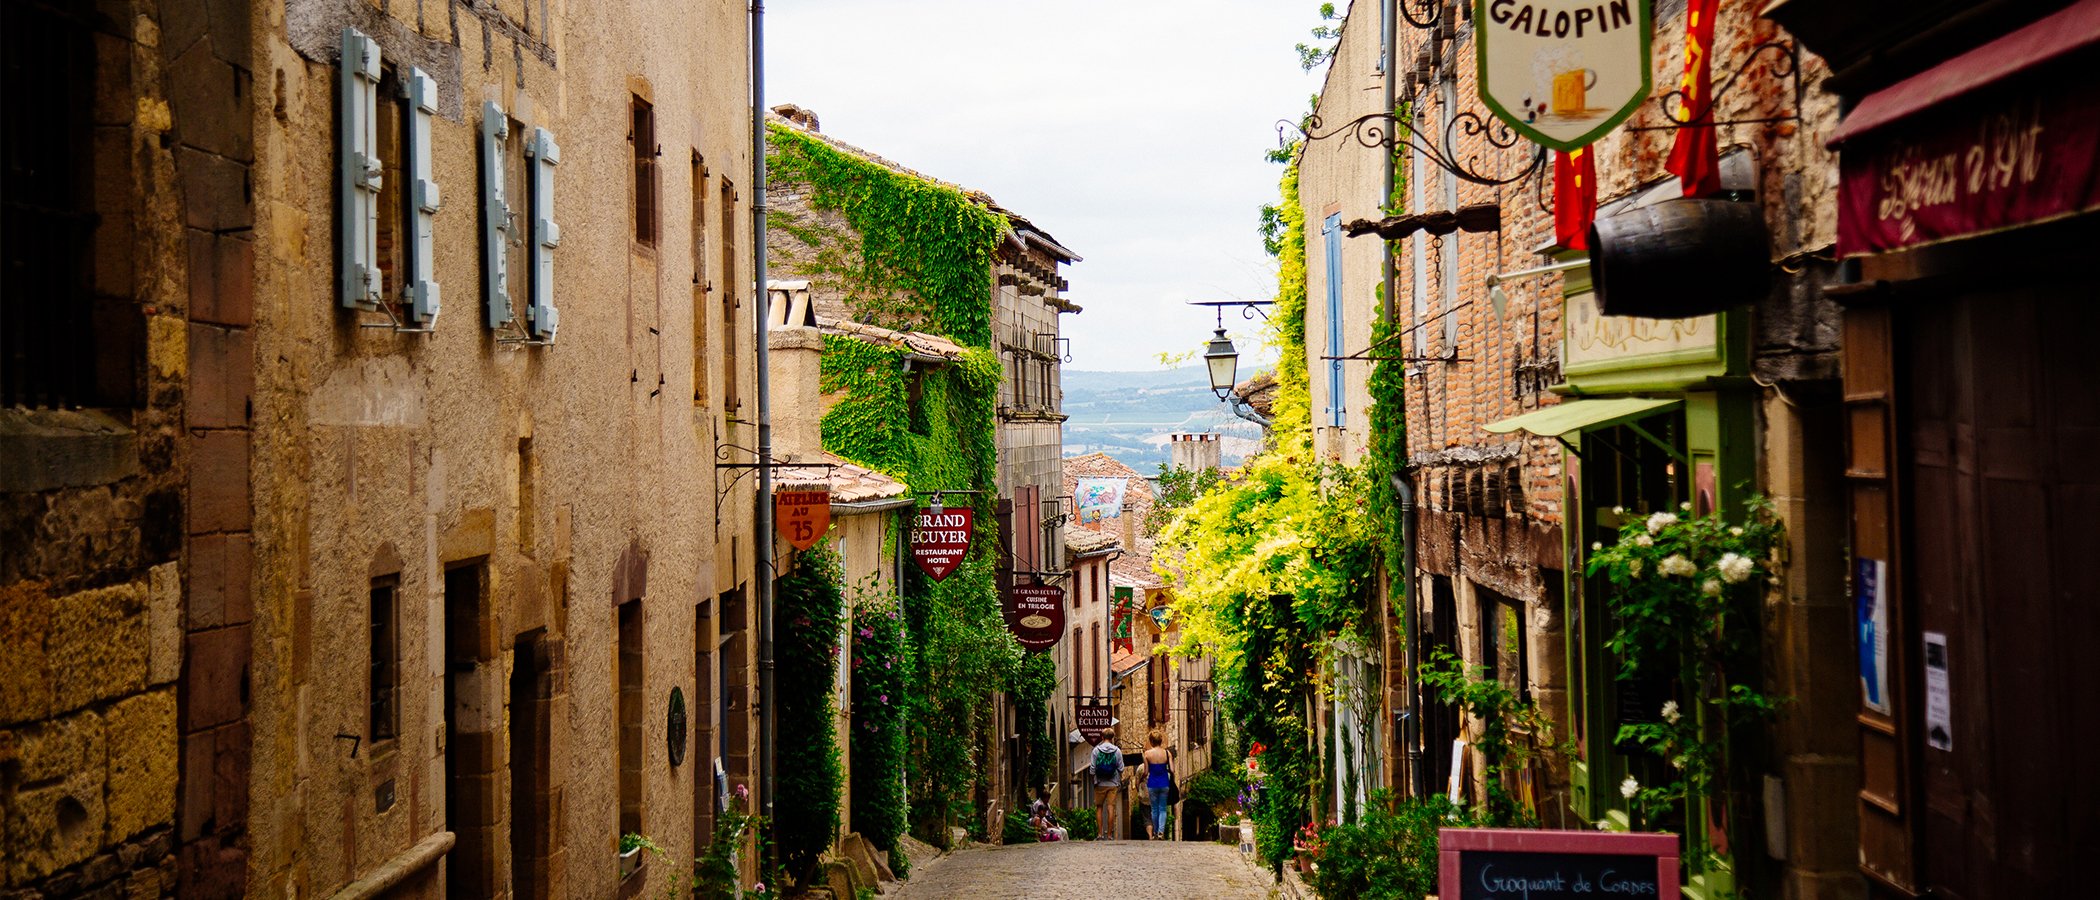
(1224, 362)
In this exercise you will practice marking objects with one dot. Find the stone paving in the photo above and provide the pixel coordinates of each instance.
(1090, 870)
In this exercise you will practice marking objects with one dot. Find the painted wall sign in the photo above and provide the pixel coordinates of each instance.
(1094, 721)
(1597, 341)
(1035, 613)
(939, 543)
(803, 514)
(2009, 157)
(1562, 72)
(1526, 864)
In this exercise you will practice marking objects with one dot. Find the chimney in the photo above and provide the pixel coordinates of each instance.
(1129, 524)
(1195, 452)
(805, 118)
(795, 351)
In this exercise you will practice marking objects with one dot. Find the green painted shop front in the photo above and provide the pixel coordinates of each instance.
(1654, 414)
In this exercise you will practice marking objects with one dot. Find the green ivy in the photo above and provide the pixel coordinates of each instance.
(809, 602)
(920, 257)
(1033, 682)
(926, 248)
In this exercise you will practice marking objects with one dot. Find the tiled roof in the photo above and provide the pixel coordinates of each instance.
(915, 341)
(1124, 662)
(850, 482)
(1081, 540)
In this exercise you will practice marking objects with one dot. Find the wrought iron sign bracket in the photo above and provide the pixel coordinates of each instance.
(1248, 308)
(1382, 130)
(1785, 63)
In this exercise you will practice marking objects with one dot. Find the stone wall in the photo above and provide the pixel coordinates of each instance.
(514, 498)
(123, 586)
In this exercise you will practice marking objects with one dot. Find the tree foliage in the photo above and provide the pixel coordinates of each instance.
(811, 606)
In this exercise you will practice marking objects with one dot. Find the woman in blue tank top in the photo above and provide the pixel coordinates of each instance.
(1159, 778)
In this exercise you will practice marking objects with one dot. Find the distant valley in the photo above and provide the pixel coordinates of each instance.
(1129, 415)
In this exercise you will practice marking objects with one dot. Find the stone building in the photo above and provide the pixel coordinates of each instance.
(1529, 410)
(411, 529)
(1024, 300)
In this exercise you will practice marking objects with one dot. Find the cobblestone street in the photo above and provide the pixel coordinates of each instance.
(1088, 869)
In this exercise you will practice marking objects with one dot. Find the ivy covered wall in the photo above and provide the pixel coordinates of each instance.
(913, 253)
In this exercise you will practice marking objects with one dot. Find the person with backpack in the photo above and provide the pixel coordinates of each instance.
(1108, 777)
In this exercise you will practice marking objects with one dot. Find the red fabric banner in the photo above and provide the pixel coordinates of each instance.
(1574, 197)
(1696, 156)
(2026, 151)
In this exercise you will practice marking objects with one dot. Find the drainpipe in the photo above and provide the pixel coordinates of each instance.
(762, 543)
(1241, 408)
(1386, 166)
(1410, 718)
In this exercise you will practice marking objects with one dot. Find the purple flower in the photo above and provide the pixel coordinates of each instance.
(867, 632)
(742, 792)
(885, 698)
(759, 887)
(885, 664)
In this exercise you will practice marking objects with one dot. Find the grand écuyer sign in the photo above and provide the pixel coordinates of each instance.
(939, 542)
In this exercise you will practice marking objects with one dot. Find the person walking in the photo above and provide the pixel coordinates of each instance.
(1108, 777)
(1159, 781)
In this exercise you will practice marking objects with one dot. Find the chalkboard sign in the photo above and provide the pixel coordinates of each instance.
(1523, 864)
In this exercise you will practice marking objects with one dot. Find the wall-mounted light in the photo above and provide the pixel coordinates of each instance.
(1500, 301)
(936, 509)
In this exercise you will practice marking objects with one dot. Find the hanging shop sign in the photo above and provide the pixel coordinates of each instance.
(2004, 135)
(1035, 613)
(1099, 498)
(1562, 72)
(939, 542)
(803, 514)
(1526, 864)
(1094, 721)
(1996, 162)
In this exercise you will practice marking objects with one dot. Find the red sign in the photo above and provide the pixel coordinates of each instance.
(802, 514)
(1035, 613)
(939, 543)
(1094, 721)
(1530, 864)
(2005, 158)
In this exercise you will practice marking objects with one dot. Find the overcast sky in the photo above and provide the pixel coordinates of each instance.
(1132, 131)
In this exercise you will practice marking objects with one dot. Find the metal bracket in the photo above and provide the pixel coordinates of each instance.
(1383, 130)
(1786, 64)
(1248, 308)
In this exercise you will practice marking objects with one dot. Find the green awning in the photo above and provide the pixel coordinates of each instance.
(1577, 415)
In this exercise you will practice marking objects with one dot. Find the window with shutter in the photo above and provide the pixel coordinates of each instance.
(498, 225)
(359, 179)
(422, 201)
(542, 320)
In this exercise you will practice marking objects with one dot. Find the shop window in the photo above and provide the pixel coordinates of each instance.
(65, 340)
(383, 711)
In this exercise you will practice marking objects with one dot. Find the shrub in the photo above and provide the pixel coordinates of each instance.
(1389, 854)
(1080, 823)
(1214, 788)
(1017, 830)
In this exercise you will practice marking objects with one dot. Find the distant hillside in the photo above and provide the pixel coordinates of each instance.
(1129, 415)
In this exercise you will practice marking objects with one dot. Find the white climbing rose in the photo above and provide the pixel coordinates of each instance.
(1670, 712)
(1629, 787)
(1676, 564)
(1735, 568)
(1658, 521)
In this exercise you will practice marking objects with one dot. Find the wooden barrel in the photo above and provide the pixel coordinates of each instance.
(1680, 258)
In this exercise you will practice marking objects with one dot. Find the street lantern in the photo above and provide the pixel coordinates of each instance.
(1224, 362)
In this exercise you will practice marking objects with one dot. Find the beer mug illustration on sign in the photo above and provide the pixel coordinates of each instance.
(1571, 91)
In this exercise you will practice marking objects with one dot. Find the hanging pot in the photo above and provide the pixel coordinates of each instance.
(1680, 258)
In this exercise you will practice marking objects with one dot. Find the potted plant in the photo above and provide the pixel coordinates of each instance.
(631, 847)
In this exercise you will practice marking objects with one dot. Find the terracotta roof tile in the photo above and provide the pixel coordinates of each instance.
(850, 482)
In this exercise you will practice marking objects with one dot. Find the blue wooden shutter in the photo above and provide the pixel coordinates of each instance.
(541, 318)
(497, 224)
(1333, 231)
(357, 176)
(423, 201)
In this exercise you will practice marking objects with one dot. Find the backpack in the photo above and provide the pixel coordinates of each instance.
(1105, 759)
